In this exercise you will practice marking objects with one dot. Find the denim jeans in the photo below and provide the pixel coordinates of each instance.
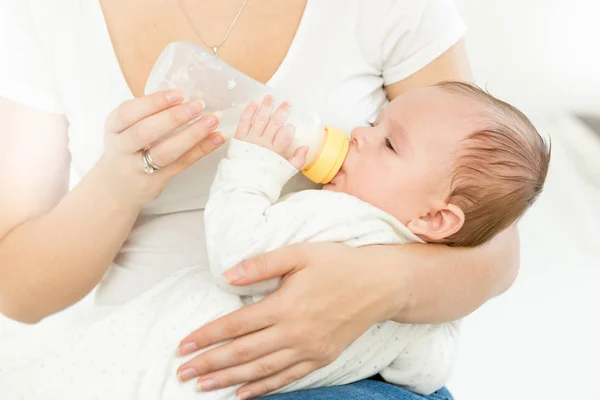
(363, 390)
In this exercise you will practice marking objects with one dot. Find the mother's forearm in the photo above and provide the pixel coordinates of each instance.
(435, 283)
(50, 262)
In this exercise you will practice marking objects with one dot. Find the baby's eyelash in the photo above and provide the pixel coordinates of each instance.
(388, 144)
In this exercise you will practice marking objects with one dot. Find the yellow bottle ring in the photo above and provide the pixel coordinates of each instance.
(332, 156)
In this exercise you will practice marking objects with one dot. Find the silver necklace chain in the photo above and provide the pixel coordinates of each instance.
(215, 49)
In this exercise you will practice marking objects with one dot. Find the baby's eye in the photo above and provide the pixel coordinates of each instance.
(388, 144)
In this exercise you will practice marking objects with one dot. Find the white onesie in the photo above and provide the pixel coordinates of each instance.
(127, 352)
(244, 217)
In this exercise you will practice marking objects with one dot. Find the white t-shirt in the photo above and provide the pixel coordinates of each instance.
(57, 56)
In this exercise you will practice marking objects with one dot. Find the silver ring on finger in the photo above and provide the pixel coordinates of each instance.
(149, 165)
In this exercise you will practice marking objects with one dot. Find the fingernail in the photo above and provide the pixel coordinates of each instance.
(218, 139)
(235, 274)
(187, 374)
(209, 121)
(174, 96)
(207, 385)
(194, 108)
(244, 395)
(291, 129)
(187, 348)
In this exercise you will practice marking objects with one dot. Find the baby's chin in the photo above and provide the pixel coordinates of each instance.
(336, 184)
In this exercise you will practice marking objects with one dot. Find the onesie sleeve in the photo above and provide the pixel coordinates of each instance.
(26, 75)
(415, 33)
(241, 216)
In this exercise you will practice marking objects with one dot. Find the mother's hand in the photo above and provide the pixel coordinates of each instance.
(328, 297)
(144, 123)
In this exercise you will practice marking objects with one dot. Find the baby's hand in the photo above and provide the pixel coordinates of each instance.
(258, 126)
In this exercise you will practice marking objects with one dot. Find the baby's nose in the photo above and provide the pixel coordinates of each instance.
(358, 137)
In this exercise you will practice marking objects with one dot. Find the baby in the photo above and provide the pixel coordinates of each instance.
(447, 163)
(452, 163)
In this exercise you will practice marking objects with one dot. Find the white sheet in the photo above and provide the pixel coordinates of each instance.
(540, 339)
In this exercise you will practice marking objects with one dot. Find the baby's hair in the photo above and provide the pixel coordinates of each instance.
(500, 169)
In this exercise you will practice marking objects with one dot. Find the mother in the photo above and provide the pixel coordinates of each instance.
(69, 63)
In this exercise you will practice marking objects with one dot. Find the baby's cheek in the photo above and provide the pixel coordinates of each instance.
(374, 190)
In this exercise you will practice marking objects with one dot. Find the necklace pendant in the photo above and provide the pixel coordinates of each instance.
(215, 50)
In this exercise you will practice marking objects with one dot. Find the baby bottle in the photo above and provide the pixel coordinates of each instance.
(225, 92)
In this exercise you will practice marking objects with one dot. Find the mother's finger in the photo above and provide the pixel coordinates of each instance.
(276, 263)
(147, 131)
(246, 320)
(276, 381)
(171, 149)
(135, 110)
(258, 369)
(240, 351)
(200, 150)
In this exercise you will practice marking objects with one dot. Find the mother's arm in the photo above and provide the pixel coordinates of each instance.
(435, 283)
(452, 65)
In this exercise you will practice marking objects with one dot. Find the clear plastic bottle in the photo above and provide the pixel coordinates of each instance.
(225, 92)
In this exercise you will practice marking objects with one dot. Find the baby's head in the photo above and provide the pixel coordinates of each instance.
(451, 162)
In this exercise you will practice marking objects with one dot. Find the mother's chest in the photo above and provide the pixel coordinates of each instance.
(90, 83)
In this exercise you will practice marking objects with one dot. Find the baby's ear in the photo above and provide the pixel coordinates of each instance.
(438, 224)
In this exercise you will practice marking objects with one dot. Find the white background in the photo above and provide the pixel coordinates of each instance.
(541, 340)
(545, 54)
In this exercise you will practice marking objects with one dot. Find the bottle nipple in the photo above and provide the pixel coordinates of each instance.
(331, 157)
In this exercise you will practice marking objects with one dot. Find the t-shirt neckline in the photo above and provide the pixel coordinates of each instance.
(273, 80)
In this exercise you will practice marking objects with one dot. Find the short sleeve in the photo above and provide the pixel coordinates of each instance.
(416, 33)
(26, 75)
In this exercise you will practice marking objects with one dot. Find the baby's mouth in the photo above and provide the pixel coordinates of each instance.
(340, 173)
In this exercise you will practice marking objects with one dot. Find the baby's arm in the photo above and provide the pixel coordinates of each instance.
(240, 216)
(425, 365)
